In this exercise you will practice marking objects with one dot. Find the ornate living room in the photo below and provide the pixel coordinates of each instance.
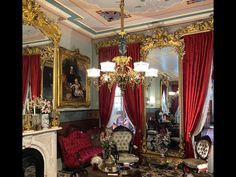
(117, 88)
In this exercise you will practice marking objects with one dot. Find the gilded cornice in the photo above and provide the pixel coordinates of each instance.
(46, 53)
(75, 54)
(197, 27)
(129, 38)
(159, 39)
(32, 15)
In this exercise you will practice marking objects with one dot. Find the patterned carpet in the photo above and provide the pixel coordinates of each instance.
(140, 172)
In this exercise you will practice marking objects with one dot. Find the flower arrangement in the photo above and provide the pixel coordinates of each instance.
(41, 104)
(106, 142)
(162, 140)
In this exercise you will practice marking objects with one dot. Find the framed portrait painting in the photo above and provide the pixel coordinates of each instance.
(74, 88)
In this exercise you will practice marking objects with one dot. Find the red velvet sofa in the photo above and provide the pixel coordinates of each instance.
(77, 148)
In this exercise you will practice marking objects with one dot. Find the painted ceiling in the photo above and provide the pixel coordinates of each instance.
(99, 18)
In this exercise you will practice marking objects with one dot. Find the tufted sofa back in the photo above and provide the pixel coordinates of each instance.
(75, 141)
(123, 137)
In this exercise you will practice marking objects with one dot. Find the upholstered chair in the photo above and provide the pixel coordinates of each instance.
(200, 163)
(123, 139)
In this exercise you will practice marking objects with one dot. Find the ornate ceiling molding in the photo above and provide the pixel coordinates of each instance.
(197, 27)
(32, 15)
(161, 38)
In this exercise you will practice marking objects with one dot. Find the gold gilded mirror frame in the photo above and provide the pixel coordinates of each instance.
(46, 58)
(33, 16)
(161, 39)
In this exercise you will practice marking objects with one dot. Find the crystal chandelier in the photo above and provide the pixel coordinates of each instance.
(119, 72)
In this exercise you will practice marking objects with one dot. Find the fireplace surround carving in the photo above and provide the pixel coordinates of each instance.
(45, 142)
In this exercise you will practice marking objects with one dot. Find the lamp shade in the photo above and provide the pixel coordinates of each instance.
(107, 66)
(93, 72)
(141, 66)
(151, 72)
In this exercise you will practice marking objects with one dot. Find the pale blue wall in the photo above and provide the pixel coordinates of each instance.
(72, 40)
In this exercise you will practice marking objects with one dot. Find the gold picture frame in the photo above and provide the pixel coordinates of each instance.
(74, 85)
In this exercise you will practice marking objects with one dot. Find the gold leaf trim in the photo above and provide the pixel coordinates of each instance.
(46, 53)
(32, 15)
(161, 39)
(197, 27)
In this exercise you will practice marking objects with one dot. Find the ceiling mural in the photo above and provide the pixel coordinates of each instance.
(136, 5)
(99, 18)
(111, 15)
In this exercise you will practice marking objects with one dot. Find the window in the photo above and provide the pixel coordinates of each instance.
(118, 114)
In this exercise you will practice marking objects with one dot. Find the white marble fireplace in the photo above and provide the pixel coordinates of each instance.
(45, 141)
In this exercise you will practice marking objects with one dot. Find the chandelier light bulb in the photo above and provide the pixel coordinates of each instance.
(106, 77)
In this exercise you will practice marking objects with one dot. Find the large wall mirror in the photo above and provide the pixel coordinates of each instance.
(162, 100)
(39, 28)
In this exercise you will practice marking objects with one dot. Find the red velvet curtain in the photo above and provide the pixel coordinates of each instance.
(25, 73)
(35, 75)
(106, 98)
(196, 72)
(133, 99)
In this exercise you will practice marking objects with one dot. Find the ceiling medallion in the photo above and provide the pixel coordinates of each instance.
(111, 15)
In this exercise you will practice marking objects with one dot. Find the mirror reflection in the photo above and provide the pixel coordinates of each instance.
(162, 102)
(47, 82)
(35, 47)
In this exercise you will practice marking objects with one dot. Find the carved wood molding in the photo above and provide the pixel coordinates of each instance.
(32, 15)
(46, 53)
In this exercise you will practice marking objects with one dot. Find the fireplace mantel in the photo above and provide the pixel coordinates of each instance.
(45, 141)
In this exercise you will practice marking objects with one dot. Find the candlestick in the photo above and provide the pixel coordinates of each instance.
(34, 109)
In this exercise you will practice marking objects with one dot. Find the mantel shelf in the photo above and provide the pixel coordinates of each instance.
(34, 132)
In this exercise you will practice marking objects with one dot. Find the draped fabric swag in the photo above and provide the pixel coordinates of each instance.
(31, 73)
(196, 73)
(35, 75)
(133, 99)
(106, 97)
